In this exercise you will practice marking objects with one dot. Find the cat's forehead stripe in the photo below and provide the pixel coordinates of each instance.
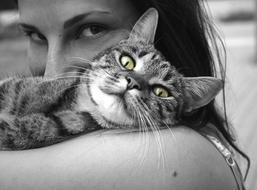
(147, 59)
(142, 54)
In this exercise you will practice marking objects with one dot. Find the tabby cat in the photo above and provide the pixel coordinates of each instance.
(129, 85)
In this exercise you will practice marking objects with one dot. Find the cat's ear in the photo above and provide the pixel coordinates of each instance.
(145, 27)
(199, 91)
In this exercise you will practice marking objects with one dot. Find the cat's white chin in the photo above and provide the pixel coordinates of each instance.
(107, 109)
(110, 108)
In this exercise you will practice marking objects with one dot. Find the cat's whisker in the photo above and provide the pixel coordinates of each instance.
(60, 78)
(65, 77)
(145, 140)
(80, 59)
(75, 73)
(156, 132)
(80, 64)
(174, 139)
(106, 76)
(67, 88)
(143, 118)
(142, 128)
(72, 77)
(142, 121)
(80, 68)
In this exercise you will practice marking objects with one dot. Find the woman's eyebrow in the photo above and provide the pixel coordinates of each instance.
(28, 27)
(72, 21)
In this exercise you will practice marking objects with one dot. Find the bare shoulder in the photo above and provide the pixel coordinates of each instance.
(172, 159)
(189, 160)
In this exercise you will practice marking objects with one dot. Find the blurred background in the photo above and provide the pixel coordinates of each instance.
(236, 22)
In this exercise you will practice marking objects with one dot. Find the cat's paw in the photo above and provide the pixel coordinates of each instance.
(7, 124)
(7, 134)
(71, 121)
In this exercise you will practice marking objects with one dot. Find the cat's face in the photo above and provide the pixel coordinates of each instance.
(132, 85)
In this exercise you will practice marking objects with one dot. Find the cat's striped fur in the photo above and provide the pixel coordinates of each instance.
(144, 92)
(36, 112)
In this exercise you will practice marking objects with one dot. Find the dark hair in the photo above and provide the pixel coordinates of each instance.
(187, 38)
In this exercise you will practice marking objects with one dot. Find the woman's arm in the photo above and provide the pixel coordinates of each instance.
(116, 160)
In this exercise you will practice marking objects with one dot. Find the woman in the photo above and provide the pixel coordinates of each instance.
(62, 32)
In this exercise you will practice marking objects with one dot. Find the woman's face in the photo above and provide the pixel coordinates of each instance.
(63, 31)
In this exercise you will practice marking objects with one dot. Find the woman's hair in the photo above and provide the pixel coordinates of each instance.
(187, 38)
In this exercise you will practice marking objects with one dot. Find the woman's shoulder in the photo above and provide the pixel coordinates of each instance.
(194, 159)
(180, 156)
(177, 158)
(214, 151)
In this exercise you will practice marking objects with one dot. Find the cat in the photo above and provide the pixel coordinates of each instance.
(129, 85)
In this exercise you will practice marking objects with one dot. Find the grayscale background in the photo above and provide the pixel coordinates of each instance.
(236, 21)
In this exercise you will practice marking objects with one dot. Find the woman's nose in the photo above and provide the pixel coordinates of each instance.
(54, 59)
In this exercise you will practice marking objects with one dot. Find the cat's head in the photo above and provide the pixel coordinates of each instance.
(131, 84)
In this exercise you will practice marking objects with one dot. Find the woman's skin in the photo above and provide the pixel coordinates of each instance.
(61, 32)
(117, 160)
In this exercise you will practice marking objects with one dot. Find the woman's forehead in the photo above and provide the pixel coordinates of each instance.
(62, 10)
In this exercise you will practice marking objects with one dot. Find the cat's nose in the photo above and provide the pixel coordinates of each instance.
(132, 83)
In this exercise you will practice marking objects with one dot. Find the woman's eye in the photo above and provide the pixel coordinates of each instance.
(92, 31)
(36, 37)
(161, 92)
(127, 62)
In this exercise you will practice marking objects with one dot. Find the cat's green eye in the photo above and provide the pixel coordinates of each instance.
(161, 92)
(127, 62)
